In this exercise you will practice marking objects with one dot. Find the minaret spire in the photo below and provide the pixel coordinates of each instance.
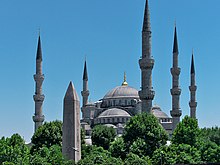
(175, 91)
(192, 88)
(38, 117)
(85, 91)
(146, 63)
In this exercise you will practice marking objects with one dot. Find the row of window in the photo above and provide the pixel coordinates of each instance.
(111, 120)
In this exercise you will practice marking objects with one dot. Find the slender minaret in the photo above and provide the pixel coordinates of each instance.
(71, 140)
(85, 91)
(38, 117)
(146, 63)
(192, 88)
(175, 91)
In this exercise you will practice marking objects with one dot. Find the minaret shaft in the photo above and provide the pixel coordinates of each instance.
(38, 117)
(146, 63)
(175, 91)
(192, 88)
(85, 91)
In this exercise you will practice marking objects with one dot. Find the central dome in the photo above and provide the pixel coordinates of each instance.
(122, 92)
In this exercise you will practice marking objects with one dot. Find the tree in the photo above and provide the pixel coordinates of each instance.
(144, 128)
(176, 154)
(13, 150)
(47, 135)
(117, 148)
(210, 152)
(102, 136)
(133, 159)
(213, 134)
(186, 132)
(48, 156)
(99, 156)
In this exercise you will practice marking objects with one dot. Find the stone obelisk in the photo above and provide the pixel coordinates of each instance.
(71, 147)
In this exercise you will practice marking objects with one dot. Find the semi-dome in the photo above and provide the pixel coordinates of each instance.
(157, 112)
(123, 91)
(114, 112)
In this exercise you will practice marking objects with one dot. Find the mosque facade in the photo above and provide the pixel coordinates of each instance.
(122, 102)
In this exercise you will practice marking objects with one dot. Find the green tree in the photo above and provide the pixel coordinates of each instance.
(48, 156)
(144, 128)
(13, 150)
(102, 136)
(186, 132)
(47, 135)
(210, 152)
(176, 154)
(99, 156)
(213, 134)
(133, 159)
(118, 148)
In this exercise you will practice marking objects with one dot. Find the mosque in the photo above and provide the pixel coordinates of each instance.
(122, 102)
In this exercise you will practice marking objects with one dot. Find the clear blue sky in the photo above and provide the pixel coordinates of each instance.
(109, 34)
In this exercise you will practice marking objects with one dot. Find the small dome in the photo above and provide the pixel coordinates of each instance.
(157, 112)
(122, 92)
(110, 125)
(114, 112)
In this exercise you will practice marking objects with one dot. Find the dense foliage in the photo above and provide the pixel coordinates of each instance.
(189, 145)
(47, 135)
(144, 134)
(102, 136)
(187, 132)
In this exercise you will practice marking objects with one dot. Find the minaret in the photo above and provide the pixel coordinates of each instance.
(38, 117)
(146, 63)
(175, 91)
(71, 140)
(192, 88)
(85, 92)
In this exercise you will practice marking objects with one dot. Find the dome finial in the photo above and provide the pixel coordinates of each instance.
(124, 83)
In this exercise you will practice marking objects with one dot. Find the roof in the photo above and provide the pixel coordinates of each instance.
(114, 112)
(157, 112)
(122, 92)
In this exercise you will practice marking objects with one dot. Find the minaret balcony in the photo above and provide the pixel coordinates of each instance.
(146, 94)
(146, 63)
(38, 118)
(175, 113)
(193, 104)
(175, 71)
(39, 98)
(38, 77)
(175, 91)
(85, 93)
(193, 88)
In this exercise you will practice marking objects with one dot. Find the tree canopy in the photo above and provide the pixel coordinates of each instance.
(102, 136)
(47, 135)
(144, 129)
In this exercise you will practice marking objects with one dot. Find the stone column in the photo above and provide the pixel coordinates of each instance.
(71, 140)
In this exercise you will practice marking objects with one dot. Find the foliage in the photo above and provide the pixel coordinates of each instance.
(144, 128)
(99, 156)
(48, 156)
(186, 132)
(47, 135)
(133, 159)
(212, 134)
(13, 150)
(83, 135)
(117, 148)
(210, 152)
(176, 154)
(102, 136)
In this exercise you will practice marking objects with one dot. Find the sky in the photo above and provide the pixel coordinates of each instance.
(108, 34)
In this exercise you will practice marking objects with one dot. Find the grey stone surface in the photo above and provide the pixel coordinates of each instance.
(146, 63)
(38, 117)
(192, 88)
(71, 139)
(175, 91)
